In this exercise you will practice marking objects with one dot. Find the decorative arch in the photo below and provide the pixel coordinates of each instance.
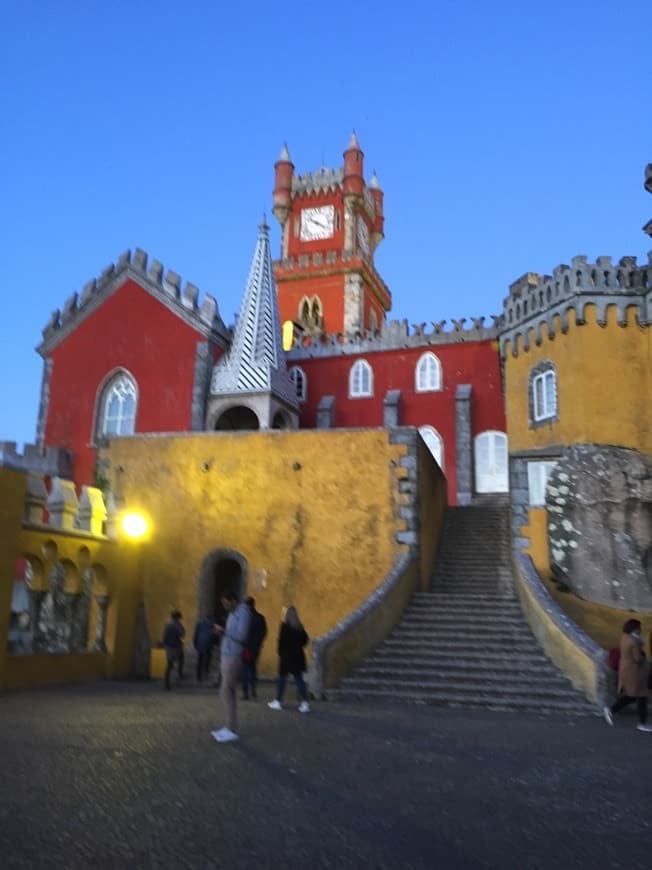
(361, 380)
(116, 405)
(427, 373)
(222, 570)
(434, 443)
(491, 462)
(239, 418)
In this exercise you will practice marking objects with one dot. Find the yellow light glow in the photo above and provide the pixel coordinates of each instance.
(288, 335)
(134, 525)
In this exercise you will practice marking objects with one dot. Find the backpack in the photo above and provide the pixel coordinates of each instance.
(613, 659)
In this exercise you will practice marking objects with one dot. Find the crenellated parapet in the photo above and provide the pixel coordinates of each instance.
(51, 461)
(320, 181)
(535, 300)
(165, 285)
(89, 513)
(394, 335)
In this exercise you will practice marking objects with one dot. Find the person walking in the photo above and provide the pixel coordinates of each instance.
(292, 639)
(633, 676)
(234, 635)
(173, 635)
(251, 652)
(203, 643)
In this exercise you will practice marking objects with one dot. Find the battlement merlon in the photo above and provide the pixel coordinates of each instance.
(396, 335)
(162, 284)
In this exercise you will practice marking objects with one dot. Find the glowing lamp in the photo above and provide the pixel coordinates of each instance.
(134, 525)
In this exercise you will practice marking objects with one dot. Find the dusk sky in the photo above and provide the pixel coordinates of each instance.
(507, 136)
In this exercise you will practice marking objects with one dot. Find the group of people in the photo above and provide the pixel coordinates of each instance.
(239, 640)
(634, 675)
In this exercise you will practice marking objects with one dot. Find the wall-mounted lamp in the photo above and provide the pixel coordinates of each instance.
(133, 525)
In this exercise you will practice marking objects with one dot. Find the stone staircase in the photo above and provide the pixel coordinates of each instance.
(466, 642)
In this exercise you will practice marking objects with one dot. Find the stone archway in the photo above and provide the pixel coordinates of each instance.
(238, 418)
(224, 570)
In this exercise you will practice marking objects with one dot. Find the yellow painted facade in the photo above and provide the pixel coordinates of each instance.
(315, 515)
(604, 384)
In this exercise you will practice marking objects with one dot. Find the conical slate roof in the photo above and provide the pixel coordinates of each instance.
(255, 361)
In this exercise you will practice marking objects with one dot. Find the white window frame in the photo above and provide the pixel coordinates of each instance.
(544, 406)
(300, 381)
(431, 435)
(361, 380)
(427, 374)
(126, 425)
(538, 475)
(480, 474)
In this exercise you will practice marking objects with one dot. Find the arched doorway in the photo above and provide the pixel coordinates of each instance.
(281, 421)
(238, 418)
(222, 571)
(491, 462)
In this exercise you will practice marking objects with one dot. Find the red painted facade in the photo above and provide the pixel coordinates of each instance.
(476, 363)
(131, 330)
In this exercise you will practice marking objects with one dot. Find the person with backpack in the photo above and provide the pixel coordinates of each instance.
(633, 675)
(251, 651)
(292, 639)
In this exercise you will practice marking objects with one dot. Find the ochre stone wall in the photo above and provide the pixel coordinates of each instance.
(12, 496)
(315, 515)
(603, 383)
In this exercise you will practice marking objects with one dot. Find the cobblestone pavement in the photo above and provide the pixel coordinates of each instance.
(125, 775)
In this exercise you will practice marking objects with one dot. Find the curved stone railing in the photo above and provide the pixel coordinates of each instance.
(576, 654)
(363, 630)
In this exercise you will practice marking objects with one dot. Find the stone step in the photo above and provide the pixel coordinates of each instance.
(472, 600)
(455, 660)
(457, 634)
(409, 674)
(574, 706)
(444, 604)
(466, 687)
(438, 643)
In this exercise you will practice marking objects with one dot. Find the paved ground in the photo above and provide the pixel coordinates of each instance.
(127, 776)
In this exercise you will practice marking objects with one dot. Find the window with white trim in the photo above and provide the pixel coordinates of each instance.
(491, 462)
(434, 443)
(118, 406)
(538, 475)
(361, 379)
(427, 374)
(542, 393)
(298, 378)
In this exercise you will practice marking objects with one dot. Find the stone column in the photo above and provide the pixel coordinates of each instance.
(464, 444)
(392, 409)
(36, 598)
(326, 413)
(100, 629)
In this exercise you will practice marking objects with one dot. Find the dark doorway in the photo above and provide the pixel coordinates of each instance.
(222, 571)
(237, 419)
(281, 421)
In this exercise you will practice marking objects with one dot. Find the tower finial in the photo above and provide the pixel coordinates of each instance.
(285, 154)
(353, 145)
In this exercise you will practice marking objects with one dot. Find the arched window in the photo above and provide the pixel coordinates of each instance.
(304, 311)
(542, 393)
(434, 443)
(298, 378)
(427, 376)
(316, 311)
(491, 473)
(361, 379)
(118, 403)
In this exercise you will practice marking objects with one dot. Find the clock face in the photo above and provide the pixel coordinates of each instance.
(363, 234)
(317, 223)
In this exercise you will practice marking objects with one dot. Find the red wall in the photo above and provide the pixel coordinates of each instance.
(475, 363)
(130, 330)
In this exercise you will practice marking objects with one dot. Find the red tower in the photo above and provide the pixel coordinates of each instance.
(332, 222)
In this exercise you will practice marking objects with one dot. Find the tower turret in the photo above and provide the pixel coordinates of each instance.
(283, 170)
(378, 225)
(353, 182)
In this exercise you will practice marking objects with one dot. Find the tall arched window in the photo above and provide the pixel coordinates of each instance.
(316, 310)
(434, 443)
(491, 473)
(361, 379)
(427, 375)
(298, 378)
(304, 311)
(118, 403)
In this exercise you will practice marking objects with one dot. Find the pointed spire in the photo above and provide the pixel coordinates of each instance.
(255, 362)
(353, 145)
(285, 154)
(374, 184)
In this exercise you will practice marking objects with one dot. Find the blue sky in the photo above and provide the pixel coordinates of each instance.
(507, 136)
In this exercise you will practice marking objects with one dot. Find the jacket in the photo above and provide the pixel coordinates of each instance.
(203, 638)
(257, 633)
(633, 669)
(291, 641)
(173, 634)
(236, 631)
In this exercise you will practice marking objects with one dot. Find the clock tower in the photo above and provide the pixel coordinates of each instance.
(331, 222)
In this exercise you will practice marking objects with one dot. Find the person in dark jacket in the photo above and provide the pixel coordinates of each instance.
(173, 635)
(292, 639)
(254, 642)
(205, 632)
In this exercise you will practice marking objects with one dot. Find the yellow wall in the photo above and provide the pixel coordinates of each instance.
(315, 514)
(12, 495)
(603, 382)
